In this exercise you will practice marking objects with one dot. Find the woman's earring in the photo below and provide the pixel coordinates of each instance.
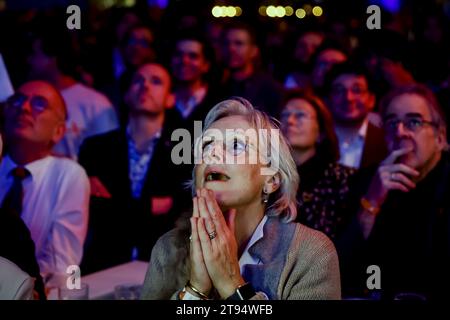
(265, 196)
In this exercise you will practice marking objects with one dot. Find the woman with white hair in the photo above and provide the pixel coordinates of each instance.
(241, 242)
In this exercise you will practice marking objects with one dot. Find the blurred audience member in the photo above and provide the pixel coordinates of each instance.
(191, 64)
(351, 99)
(242, 76)
(137, 48)
(305, 49)
(402, 223)
(387, 56)
(50, 194)
(88, 111)
(326, 57)
(126, 21)
(308, 127)
(135, 187)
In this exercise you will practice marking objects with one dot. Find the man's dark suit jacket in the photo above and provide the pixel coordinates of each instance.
(410, 240)
(119, 224)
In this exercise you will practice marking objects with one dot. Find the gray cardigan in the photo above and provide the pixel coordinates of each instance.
(298, 263)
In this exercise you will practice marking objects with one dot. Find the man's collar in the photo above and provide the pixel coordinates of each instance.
(363, 129)
(33, 167)
(362, 132)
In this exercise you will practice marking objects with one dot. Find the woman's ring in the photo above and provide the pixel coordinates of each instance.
(212, 235)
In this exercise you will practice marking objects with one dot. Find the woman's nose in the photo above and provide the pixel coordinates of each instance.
(214, 154)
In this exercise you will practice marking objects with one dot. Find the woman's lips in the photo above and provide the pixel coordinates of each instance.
(216, 175)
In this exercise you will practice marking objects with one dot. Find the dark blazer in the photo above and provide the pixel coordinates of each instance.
(119, 224)
(375, 149)
(410, 240)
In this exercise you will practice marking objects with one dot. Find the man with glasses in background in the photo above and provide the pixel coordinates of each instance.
(401, 223)
(49, 194)
(350, 99)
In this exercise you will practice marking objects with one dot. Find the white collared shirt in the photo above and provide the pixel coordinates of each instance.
(246, 258)
(187, 108)
(351, 150)
(55, 209)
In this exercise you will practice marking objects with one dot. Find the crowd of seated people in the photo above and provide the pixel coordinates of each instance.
(88, 177)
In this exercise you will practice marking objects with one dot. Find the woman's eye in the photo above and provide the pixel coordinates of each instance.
(238, 147)
(206, 145)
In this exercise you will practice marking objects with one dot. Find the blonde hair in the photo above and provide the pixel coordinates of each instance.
(282, 202)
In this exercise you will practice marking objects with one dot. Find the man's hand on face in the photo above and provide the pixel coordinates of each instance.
(391, 176)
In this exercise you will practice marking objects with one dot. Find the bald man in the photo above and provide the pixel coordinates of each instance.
(51, 195)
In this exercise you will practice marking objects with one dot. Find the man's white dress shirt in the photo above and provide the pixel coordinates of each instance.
(351, 149)
(55, 209)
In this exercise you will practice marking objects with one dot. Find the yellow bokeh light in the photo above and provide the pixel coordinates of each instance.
(238, 11)
(271, 11)
(262, 11)
(217, 11)
(129, 3)
(317, 11)
(230, 11)
(300, 13)
(289, 11)
(280, 11)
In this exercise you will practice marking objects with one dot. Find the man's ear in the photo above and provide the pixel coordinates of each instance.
(170, 101)
(272, 183)
(441, 138)
(59, 132)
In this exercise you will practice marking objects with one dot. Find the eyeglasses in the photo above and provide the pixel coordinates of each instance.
(38, 103)
(298, 115)
(411, 124)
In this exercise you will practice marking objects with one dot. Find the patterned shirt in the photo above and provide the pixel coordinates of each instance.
(139, 163)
